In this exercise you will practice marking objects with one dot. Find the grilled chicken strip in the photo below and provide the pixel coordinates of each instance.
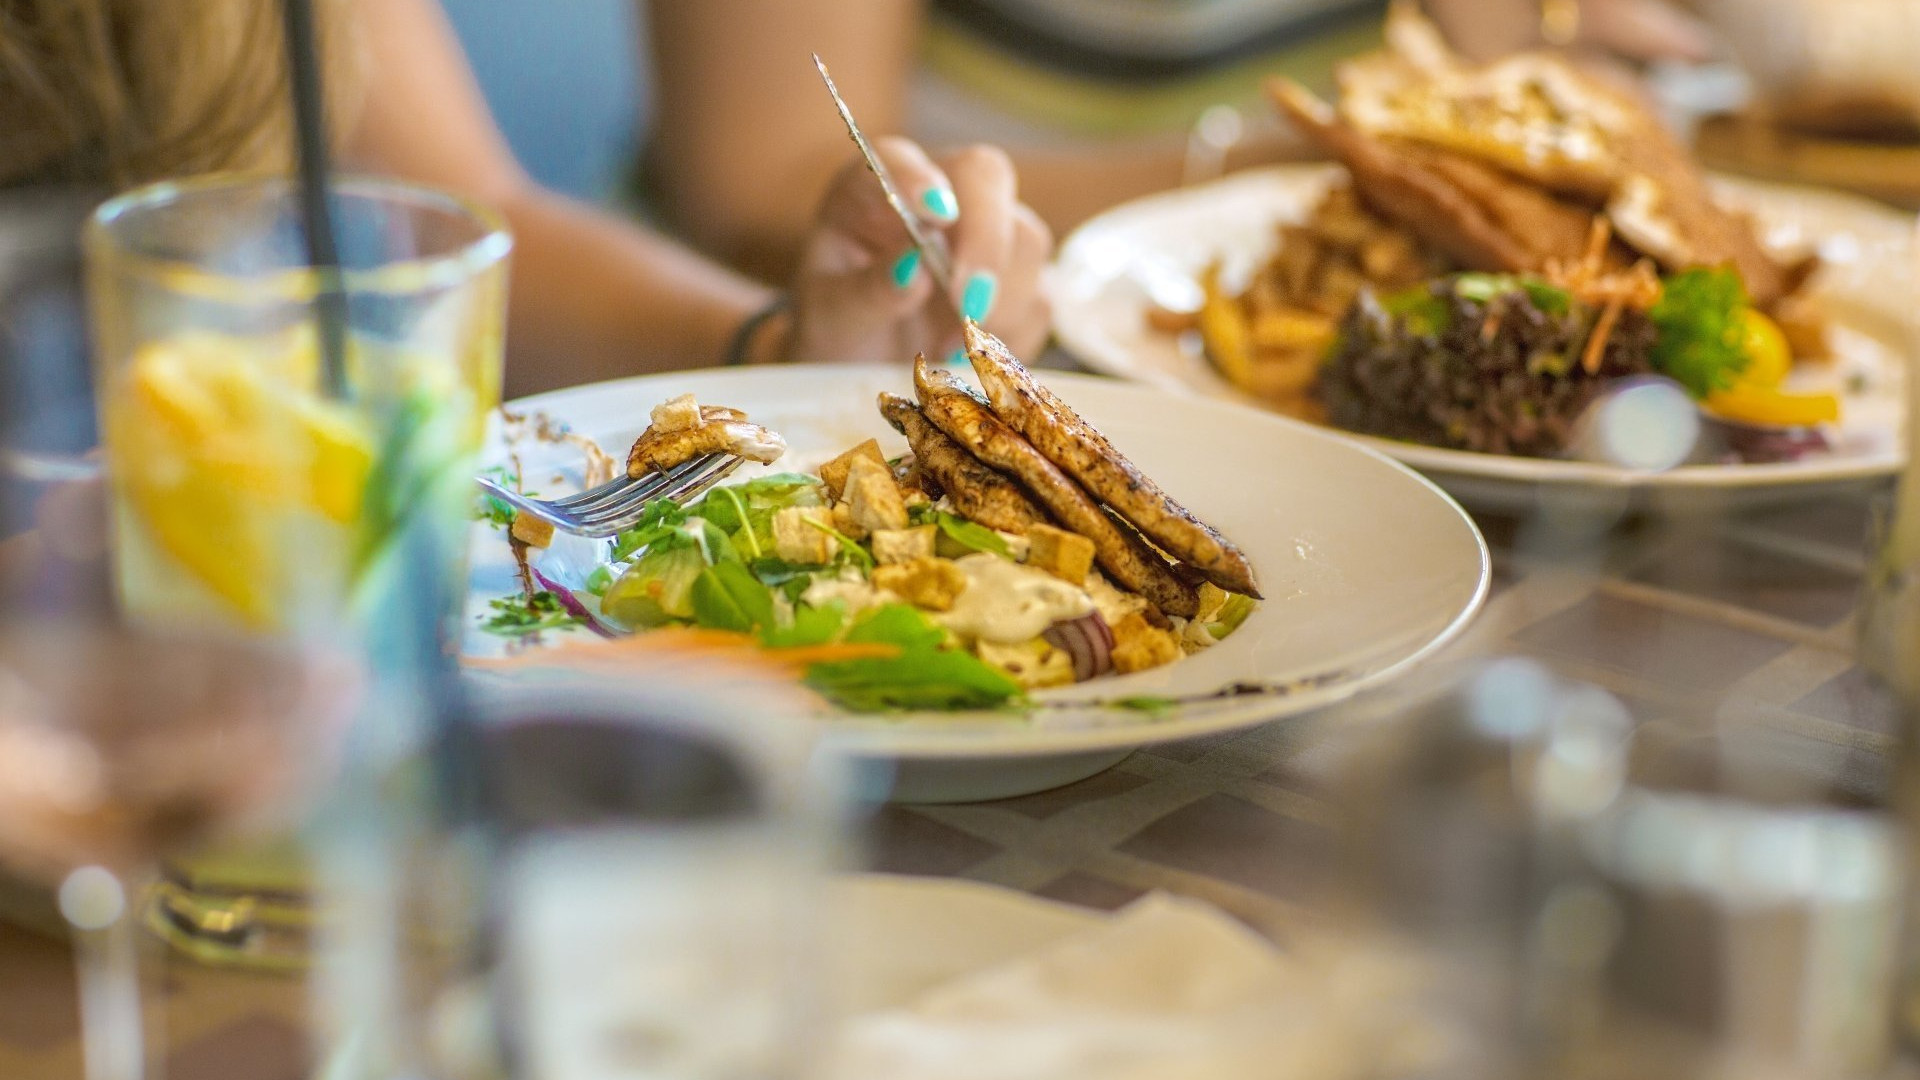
(657, 451)
(1079, 449)
(952, 407)
(978, 492)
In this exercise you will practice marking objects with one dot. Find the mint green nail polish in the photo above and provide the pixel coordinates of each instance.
(904, 267)
(957, 358)
(941, 203)
(977, 298)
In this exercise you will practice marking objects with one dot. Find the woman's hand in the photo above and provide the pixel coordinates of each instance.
(861, 292)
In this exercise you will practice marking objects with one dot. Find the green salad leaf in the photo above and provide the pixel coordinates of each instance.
(523, 616)
(810, 626)
(660, 518)
(658, 588)
(1482, 288)
(923, 676)
(1231, 615)
(971, 535)
(1418, 309)
(492, 509)
(850, 549)
(745, 511)
(1700, 323)
(938, 679)
(726, 596)
(896, 624)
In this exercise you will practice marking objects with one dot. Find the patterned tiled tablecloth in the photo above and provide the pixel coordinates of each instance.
(1742, 618)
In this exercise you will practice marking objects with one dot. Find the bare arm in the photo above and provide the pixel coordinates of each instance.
(592, 296)
(746, 140)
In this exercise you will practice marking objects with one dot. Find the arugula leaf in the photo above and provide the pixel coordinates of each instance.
(972, 535)
(916, 679)
(922, 514)
(1700, 319)
(726, 596)
(923, 676)
(522, 616)
(811, 626)
(661, 517)
(491, 508)
(896, 624)
(737, 507)
(714, 542)
(791, 579)
(849, 549)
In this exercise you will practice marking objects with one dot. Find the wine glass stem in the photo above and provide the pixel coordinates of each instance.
(106, 965)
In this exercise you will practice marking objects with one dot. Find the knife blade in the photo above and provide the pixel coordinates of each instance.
(932, 245)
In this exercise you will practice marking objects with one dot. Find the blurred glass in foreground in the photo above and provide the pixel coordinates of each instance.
(248, 497)
(1602, 898)
(631, 890)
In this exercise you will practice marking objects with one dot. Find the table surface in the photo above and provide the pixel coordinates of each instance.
(1740, 618)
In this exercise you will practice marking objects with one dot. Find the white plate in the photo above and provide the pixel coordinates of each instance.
(1103, 275)
(1366, 566)
(894, 937)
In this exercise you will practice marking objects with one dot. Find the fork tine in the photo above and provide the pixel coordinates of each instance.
(621, 489)
(704, 472)
(593, 494)
(521, 502)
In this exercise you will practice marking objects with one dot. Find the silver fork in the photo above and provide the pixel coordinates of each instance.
(616, 505)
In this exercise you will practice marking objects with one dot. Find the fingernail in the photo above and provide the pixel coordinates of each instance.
(941, 203)
(957, 358)
(904, 267)
(977, 298)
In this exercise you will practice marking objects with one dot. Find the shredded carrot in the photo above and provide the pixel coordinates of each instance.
(1602, 330)
(806, 655)
(1490, 326)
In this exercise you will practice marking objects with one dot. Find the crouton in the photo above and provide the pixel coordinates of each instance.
(797, 541)
(933, 584)
(873, 498)
(679, 414)
(903, 545)
(842, 519)
(531, 531)
(1139, 645)
(1067, 556)
(835, 472)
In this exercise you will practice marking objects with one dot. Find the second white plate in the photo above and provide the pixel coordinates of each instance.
(1109, 268)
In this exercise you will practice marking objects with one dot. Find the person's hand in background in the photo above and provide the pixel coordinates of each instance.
(862, 292)
(1641, 31)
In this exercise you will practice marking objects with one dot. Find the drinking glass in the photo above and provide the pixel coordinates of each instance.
(633, 893)
(254, 492)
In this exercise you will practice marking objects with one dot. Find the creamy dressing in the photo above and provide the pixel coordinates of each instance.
(849, 588)
(1009, 603)
(1112, 603)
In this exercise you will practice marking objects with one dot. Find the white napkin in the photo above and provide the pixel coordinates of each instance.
(1168, 988)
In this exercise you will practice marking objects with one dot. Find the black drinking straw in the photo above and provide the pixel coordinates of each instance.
(316, 196)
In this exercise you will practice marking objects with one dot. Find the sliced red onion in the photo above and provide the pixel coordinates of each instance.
(572, 603)
(1088, 640)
